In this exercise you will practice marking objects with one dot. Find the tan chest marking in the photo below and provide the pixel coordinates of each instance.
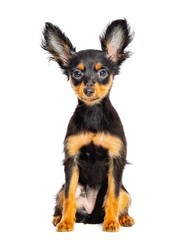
(112, 143)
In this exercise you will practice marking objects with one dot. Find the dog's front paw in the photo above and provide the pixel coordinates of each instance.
(65, 226)
(111, 226)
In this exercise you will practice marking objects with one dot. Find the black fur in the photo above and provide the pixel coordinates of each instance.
(93, 168)
(96, 118)
(93, 161)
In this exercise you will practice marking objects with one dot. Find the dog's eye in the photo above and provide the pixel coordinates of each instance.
(103, 73)
(77, 74)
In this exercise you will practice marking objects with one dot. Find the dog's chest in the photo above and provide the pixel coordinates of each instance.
(112, 144)
(92, 153)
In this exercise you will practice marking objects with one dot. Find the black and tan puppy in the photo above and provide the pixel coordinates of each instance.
(95, 143)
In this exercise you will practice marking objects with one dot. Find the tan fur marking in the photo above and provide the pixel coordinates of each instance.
(125, 201)
(111, 223)
(69, 205)
(126, 221)
(98, 66)
(79, 90)
(75, 142)
(100, 92)
(112, 143)
(81, 66)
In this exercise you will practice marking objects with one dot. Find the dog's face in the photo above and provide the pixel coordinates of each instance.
(90, 72)
(91, 75)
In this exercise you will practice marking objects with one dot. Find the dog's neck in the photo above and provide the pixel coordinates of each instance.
(103, 103)
(94, 118)
(101, 117)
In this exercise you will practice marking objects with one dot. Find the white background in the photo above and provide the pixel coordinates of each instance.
(36, 103)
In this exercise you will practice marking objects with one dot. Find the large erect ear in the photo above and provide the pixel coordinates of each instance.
(115, 39)
(57, 44)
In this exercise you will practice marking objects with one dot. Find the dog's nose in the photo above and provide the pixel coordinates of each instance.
(88, 91)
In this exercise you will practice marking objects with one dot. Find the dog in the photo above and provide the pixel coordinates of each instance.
(95, 145)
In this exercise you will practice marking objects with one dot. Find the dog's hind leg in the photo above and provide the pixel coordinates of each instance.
(59, 207)
(125, 200)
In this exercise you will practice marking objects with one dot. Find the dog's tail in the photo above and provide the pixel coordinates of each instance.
(97, 215)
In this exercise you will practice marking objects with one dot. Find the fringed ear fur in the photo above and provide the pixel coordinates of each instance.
(57, 44)
(115, 39)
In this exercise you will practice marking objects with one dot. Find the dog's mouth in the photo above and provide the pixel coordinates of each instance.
(90, 100)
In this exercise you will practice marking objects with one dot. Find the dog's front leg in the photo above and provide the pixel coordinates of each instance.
(69, 205)
(111, 222)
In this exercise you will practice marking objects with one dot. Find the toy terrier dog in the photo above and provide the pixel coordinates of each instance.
(95, 143)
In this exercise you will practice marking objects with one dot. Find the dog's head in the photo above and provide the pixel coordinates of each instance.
(90, 72)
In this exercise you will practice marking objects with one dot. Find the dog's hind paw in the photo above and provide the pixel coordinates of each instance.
(56, 220)
(126, 221)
